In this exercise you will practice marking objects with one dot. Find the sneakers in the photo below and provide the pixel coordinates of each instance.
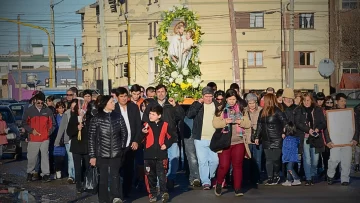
(196, 183)
(312, 181)
(117, 200)
(357, 168)
(308, 183)
(165, 197)
(207, 187)
(276, 180)
(218, 189)
(58, 174)
(46, 178)
(330, 181)
(29, 177)
(296, 183)
(70, 181)
(238, 193)
(287, 183)
(269, 181)
(152, 199)
(345, 183)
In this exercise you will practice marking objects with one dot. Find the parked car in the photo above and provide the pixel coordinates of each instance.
(14, 145)
(7, 101)
(353, 98)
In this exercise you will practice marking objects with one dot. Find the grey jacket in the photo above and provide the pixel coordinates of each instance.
(62, 129)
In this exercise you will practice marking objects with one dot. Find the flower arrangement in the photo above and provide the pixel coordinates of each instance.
(181, 82)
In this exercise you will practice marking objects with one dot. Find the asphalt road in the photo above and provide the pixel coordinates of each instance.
(13, 175)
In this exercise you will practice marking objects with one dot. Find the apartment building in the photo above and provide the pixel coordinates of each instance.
(262, 28)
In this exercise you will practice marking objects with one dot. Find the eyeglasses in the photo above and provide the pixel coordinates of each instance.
(69, 94)
(40, 103)
(329, 102)
(218, 99)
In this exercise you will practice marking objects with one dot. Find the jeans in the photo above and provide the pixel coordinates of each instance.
(173, 155)
(81, 163)
(273, 162)
(233, 156)
(207, 159)
(310, 160)
(71, 168)
(291, 173)
(113, 180)
(192, 159)
(256, 153)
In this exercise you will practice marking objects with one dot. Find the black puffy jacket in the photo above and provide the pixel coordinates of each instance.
(107, 135)
(270, 129)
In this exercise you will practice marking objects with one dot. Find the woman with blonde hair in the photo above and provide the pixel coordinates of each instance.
(310, 121)
(270, 132)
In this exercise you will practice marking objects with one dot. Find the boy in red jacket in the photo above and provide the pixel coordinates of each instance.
(157, 139)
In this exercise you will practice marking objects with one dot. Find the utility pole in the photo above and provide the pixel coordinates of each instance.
(53, 41)
(19, 65)
(128, 48)
(103, 49)
(285, 47)
(291, 46)
(76, 72)
(235, 54)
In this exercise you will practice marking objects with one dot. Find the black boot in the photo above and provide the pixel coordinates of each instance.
(357, 168)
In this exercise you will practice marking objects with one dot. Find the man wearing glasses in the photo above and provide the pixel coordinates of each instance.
(38, 121)
(70, 95)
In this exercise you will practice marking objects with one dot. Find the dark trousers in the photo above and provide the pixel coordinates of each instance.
(273, 162)
(81, 163)
(128, 170)
(59, 162)
(115, 187)
(155, 169)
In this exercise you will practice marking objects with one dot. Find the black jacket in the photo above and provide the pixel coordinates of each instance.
(77, 146)
(270, 129)
(171, 115)
(107, 135)
(289, 112)
(133, 113)
(196, 112)
(302, 127)
(158, 134)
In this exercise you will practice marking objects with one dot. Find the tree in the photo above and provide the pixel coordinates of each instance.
(350, 36)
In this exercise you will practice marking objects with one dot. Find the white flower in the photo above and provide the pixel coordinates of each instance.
(195, 84)
(171, 80)
(179, 80)
(180, 76)
(190, 81)
(185, 71)
(174, 74)
(197, 79)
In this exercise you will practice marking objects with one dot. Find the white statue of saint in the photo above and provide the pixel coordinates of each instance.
(176, 46)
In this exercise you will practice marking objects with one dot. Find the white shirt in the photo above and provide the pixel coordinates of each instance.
(126, 118)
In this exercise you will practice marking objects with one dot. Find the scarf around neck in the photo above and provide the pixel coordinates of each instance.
(309, 116)
(234, 113)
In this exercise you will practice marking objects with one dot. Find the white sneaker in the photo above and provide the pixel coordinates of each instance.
(117, 200)
(287, 183)
(296, 182)
(58, 174)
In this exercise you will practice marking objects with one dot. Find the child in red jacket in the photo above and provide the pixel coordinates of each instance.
(157, 139)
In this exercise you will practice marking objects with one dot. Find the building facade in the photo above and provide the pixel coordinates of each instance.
(262, 28)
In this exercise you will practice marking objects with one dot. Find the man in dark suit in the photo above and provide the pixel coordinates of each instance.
(130, 112)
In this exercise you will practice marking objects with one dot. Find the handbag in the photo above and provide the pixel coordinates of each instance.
(3, 140)
(91, 183)
(11, 136)
(59, 151)
(220, 140)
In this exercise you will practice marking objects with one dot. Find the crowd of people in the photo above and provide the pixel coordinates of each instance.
(142, 135)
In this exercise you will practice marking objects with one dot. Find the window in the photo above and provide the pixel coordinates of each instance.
(121, 70)
(156, 1)
(349, 4)
(255, 58)
(256, 20)
(27, 67)
(14, 67)
(150, 31)
(121, 38)
(97, 14)
(82, 21)
(307, 58)
(155, 29)
(156, 68)
(126, 37)
(99, 73)
(94, 75)
(306, 20)
(149, 3)
(98, 45)
(350, 67)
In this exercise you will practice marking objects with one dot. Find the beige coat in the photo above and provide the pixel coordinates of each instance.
(219, 122)
(254, 118)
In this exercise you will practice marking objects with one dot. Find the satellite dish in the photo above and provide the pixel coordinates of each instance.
(326, 67)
